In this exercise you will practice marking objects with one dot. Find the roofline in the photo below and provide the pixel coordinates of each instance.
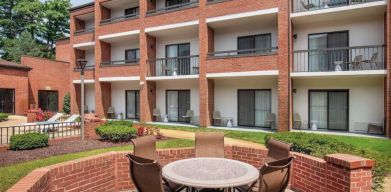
(63, 39)
(81, 6)
(22, 67)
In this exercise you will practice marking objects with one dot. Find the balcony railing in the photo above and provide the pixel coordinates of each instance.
(243, 52)
(192, 3)
(339, 59)
(118, 63)
(123, 17)
(88, 68)
(174, 66)
(83, 31)
(311, 5)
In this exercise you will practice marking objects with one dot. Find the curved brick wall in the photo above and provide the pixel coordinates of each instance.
(110, 171)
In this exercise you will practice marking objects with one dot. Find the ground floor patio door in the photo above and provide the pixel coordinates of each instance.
(7, 101)
(48, 100)
(177, 104)
(253, 107)
(132, 104)
(329, 109)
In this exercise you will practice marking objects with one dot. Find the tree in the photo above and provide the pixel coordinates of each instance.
(30, 12)
(25, 44)
(66, 106)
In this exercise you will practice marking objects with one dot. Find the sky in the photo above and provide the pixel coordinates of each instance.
(77, 2)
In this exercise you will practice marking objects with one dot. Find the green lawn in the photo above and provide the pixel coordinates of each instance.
(9, 175)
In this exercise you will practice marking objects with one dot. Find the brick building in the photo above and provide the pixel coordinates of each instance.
(254, 64)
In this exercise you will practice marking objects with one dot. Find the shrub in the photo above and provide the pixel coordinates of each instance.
(28, 141)
(66, 106)
(321, 145)
(144, 130)
(116, 131)
(3, 116)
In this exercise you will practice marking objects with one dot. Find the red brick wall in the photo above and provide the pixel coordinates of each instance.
(110, 171)
(238, 6)
(63, 49)
(240, 64)
(16, 79)
(47, 75)
(388, 65)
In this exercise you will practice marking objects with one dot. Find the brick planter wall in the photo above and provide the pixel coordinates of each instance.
(110, 171)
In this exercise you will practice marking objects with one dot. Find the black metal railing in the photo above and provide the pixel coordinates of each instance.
(244, 52)
(119, 18)
(83, 31)
(87, 68)
(311, 5)
(192, 3)
(119, 62)
(175, 66)
(339, 59)
(53, 130)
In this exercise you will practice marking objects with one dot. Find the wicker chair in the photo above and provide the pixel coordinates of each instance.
(209, 144)
(146, 175)
(277, 150)
(273, 177)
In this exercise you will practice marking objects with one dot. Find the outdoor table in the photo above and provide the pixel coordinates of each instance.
(210, 173)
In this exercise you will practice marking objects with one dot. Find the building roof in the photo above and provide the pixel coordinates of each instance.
(9, 64)
(82, 6)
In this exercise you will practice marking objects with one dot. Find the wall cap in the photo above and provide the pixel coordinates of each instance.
(349, 161)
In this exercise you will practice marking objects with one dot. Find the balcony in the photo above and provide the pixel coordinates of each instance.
(84, 31)
(359, 58)
(119, 18)
(87, 68)
(243, 53)
(119, 63)
(166, 9)
(312, 5)
(175, 66)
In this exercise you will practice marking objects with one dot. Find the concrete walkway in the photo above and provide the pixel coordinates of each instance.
(13, 120)
(191, 135)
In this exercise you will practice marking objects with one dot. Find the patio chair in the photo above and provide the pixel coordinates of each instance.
(356, 63)
(209, 144)
(189, 115)
(296, 121)
(277, 150)
(56, 117)
(274, 176)
(373, 61)
(217, 118)
(271, 120)
(146, 175)
(111, 113)
(156, 114)
(307, 6)
(86, 109)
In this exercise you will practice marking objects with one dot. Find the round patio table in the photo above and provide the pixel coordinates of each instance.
(211, 173)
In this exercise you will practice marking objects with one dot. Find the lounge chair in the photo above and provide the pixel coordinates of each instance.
(274, 176)
(296, 121)
(277, 150)
(53, 119)
(189, 115)
(209, 144)
(217, 118)
(307, 6)
(146, 175)
(271, 120)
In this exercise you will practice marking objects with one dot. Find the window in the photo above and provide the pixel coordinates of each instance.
(253, 107)
(176, 2)
(324, 60)
(132, 55)
(259, 43)
(177, 104)
(48, 100)
(181, 65)
(132, 11)
(329, 109)
(132, 104)
(7, 101)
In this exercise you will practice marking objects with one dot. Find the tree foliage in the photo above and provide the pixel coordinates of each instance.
(44, 21)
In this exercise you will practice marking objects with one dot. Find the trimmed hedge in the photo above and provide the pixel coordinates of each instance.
(321, 145)
(3, 116)
(29, 141)
(117, 131)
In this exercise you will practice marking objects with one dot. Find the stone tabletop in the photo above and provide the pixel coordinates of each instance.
(210, 172)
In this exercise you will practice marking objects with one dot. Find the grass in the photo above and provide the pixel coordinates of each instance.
(9, 175)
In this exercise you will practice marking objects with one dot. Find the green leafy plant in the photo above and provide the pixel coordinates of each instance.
(117, 131)
(321, 145)
(3, 116)
(66, 106)
(28, 141)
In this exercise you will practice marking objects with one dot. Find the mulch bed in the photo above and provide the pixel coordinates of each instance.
(13, 157)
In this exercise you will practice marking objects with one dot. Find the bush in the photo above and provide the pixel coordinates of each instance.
(3, 116)
(66, 106)
(28, 141)
(321, 145)
(117, 131)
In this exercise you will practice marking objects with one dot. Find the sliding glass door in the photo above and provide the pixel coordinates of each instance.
(253, 107)
(329, 109)
(177, 104)
(132, 104)
(180, 59)
(7, 101)
(48, 100)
